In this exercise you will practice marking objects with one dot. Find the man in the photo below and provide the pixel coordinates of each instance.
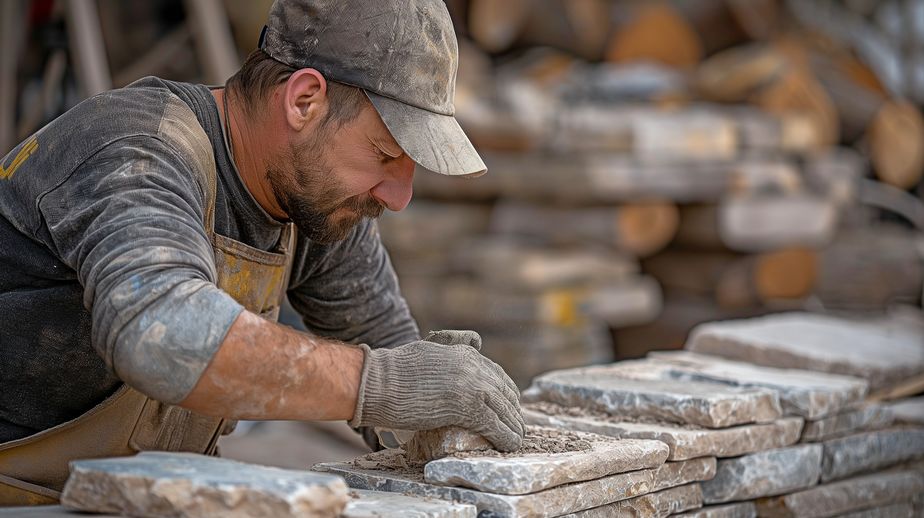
(146, 244)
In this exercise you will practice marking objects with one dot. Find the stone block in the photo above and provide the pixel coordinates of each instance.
(46, 511)
(910, 410)
(685, 442)
(878, 352)
(853, 494)
(191, 485)
(378, 504)
(712, 405)
(736, 510)
(871, 451)
(804, 393)
(580, 457)
(863, 418)
(653, 505)
(388, 471)
(766, 473)
(427, 445)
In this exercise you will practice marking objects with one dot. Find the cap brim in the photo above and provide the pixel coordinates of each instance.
(434, 141)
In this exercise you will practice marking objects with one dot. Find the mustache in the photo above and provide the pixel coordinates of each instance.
(366, 206)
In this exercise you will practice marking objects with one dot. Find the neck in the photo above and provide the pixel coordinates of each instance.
(249, 152)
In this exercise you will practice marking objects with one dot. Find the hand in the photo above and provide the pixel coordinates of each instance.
(440, 381)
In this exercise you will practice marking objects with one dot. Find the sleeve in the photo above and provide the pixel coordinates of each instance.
(349, 291)
(129, 221)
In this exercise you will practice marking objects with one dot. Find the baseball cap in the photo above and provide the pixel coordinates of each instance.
(402, 53)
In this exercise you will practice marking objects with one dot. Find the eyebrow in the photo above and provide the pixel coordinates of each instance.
(384, 147)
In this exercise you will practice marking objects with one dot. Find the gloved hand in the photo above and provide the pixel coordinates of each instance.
(440, 381)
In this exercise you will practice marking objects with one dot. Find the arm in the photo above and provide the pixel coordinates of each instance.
(269, 371)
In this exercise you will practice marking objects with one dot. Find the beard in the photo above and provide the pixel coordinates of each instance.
(320, 208)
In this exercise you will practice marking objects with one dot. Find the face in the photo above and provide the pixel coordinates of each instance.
(331, 178)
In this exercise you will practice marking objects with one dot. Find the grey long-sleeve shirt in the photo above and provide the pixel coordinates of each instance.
(106, 271)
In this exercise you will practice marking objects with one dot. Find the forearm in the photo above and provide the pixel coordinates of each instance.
(264, 370)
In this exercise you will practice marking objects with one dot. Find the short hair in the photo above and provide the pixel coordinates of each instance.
(258, 75)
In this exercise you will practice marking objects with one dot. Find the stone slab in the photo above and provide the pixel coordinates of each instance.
(377, 504)
(712, 405)
(853, 494)
(192, 485)
(902, 510)
(910, 410)
(519, 474)
(879, 352)
(736, 510)
(653, 505)
(766, 473)
(804, 393)
(685, 442)
(871, 451)
(376, 472)
(863, 418)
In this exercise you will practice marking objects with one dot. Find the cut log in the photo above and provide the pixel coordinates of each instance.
(460, 302)
(796, 91)
(738, 281)
(506, 263)
(640, 229)
(735, 74)
(764, 223)
(896, 138)
(656, 32)
(871, 269)
(496, 25)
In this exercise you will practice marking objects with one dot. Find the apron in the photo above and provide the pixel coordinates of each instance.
(33, 469)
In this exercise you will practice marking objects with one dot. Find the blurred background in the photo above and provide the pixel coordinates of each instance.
(653, 164)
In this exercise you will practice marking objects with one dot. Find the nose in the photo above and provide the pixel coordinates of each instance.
(396, 189)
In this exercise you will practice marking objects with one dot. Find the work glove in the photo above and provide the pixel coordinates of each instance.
(439, 381)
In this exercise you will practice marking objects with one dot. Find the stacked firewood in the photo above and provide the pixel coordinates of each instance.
(654, 165)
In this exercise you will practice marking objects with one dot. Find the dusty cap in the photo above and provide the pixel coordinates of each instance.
(402, 53)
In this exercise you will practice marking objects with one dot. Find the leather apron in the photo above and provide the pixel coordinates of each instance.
(33, 469)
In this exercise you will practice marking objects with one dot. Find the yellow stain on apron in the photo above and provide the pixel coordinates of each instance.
(33, 469)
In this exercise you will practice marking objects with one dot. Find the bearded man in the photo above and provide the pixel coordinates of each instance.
(149, 234)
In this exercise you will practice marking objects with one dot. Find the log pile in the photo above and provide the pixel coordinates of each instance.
(677, 161)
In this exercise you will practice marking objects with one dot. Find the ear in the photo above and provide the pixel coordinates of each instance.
(305, 98)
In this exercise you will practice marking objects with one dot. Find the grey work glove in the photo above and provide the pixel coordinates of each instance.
(440, 381)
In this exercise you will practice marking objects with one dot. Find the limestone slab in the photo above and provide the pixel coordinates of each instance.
(910, 410)
(711, 405)
(685, 442)
(191, 485)
(736, 510)
(518, 474)
(378, 472)
(879, 352)
(766, 473)
(653, 505)
(845, 496)
(377, 504)
(804, 393)
(866, 417)
(871, 451)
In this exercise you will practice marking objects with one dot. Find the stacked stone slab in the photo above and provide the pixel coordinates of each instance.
(601, 473)
(684, 399)
(883, 353)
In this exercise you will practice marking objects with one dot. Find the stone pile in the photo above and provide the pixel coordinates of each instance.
(789, 442)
